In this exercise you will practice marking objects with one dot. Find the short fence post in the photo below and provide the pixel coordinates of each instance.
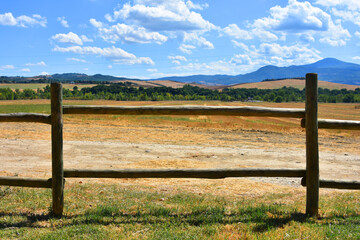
(312, 147)
(57, 149)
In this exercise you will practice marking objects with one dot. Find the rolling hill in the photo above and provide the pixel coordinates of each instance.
(165, 83)
(328, 69)
(295, 83)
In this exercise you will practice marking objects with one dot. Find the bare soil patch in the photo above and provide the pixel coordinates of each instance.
(110, 142)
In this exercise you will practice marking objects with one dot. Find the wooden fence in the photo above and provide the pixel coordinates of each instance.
(310, 175)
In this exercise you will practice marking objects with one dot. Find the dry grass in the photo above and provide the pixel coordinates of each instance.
(300, 84)
(182, 126)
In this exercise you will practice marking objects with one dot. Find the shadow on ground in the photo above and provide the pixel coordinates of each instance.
(259, 220)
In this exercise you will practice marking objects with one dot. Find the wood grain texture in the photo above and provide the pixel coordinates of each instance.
(312, 145)
(57, 149)
(26, 117)
(182, 173)
(335, 124)
(350, 185)
(25, 182)
(186, 110)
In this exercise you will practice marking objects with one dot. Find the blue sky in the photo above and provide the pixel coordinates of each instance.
(159, 38)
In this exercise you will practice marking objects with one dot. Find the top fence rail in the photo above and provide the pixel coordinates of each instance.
(187, 110)
(183, 110)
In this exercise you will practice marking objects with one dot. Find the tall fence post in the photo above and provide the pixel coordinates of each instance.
(312, 147)
(57, 149)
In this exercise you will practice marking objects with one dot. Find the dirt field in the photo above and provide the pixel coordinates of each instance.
(110, 142)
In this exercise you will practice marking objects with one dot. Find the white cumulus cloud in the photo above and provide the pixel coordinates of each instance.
(177, 59)
(8, 19)
(127, 33)
(185, 48)
(85, 38)
(336, 36)
(195, 39)
(348, 10)
(350, 4)
(295, 17)
(76, 60)
(208, 68)
(118, 55)
(152, 70)
(240, 45)
(180, 58)
(192, 5)
(301, 19)
(234, 31)
(264, 35)
(63, 22)
(241, 59)
(71, 38)
(148, 21)
(276, 54)
(95, 23)
(7, 67)
(162, 15)
(42, 63)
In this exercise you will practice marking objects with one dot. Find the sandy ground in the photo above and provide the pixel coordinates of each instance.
(25, 150)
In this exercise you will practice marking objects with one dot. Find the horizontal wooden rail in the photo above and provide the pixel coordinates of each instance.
(186, 110)
(351, 185)
(25, 117)
(183, 173)
(25, 182)
(336, 124)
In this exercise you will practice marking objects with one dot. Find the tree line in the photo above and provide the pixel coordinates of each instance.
(122, 92)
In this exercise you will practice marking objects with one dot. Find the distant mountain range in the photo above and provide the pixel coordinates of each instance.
(328, 69)
(66, 77)
(84, 77)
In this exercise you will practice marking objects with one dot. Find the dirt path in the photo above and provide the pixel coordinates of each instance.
(25, 151)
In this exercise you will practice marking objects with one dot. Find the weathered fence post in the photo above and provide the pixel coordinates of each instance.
(312, 147)
(57, 149)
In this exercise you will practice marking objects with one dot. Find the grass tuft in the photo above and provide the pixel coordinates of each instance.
(95, 211)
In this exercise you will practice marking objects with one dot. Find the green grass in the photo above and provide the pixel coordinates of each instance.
(35, 86)
(95, 211)
(22, 86)
(34, 108)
